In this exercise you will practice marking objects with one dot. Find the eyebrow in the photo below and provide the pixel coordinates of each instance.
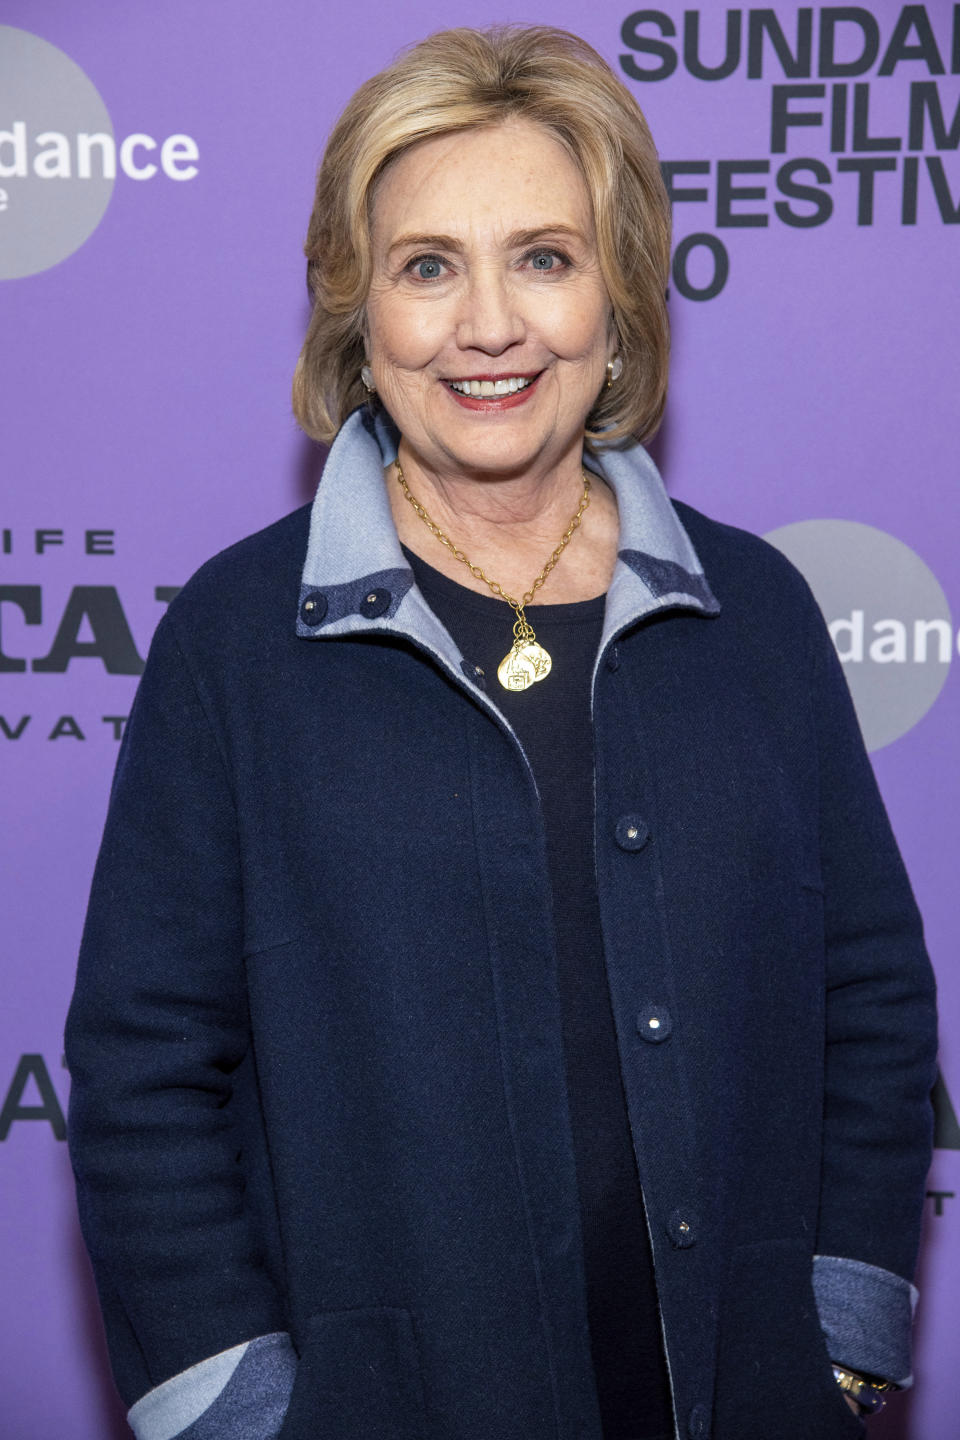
(516, 240)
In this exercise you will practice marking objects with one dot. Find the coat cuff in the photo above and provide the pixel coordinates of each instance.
(866, 1315)
(243, 1391)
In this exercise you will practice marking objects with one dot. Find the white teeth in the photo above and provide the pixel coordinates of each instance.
(509, 385)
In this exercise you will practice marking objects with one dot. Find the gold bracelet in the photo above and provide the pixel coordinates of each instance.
(870, 1395)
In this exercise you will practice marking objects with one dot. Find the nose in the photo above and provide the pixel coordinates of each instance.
(489, 318)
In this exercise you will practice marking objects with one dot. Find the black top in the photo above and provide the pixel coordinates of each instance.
(552, 720)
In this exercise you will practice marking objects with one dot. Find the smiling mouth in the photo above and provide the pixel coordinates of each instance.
(489, 388)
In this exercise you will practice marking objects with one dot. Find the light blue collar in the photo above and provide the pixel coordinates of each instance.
(356, 579)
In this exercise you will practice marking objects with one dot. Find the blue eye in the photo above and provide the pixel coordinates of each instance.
(548, 262)
(428, 268)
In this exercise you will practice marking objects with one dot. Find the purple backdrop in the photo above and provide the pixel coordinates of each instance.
(145, 385)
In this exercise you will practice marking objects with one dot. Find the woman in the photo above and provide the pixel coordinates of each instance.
(502, 1009)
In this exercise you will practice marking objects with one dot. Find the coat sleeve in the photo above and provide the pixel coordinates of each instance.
(880, 1052)
(156, 1031)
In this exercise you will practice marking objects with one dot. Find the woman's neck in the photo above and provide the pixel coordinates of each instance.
(510, 527)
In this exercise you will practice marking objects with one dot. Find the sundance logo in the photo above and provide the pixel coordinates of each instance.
(59, 156)
(887, 614)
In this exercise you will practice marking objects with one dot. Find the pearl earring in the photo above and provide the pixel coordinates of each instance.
(366, 375)
(614, 370)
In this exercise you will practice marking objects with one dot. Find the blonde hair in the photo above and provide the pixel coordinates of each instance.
(459, 80)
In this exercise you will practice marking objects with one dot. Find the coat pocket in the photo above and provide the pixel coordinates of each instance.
(358, 1378)
(774, 1376)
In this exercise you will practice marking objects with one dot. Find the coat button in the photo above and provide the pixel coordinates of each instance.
(655, 1024)
(374, 603)
(631, 832)
(682, 1229)
(313, 608)
(613, 657)
(698, 1425)
(476, 673)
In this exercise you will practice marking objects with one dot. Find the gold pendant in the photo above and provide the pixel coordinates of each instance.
(539, 659)
(525, 664)
(516, 671)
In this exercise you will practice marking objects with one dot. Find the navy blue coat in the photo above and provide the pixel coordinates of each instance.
(315, 1045)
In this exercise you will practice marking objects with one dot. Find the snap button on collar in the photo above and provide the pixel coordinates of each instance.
(375, 603)
(314, 608)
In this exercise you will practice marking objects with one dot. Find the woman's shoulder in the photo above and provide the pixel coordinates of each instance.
(744, 569)
(247, 587)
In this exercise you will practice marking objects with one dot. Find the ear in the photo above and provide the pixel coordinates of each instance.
(613, 337)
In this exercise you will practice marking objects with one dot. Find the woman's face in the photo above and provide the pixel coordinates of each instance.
(485, 270)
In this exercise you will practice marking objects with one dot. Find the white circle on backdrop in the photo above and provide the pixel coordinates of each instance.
(54, 190)
(887, 614)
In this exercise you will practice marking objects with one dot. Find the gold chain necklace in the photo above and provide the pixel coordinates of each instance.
(526, 662)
